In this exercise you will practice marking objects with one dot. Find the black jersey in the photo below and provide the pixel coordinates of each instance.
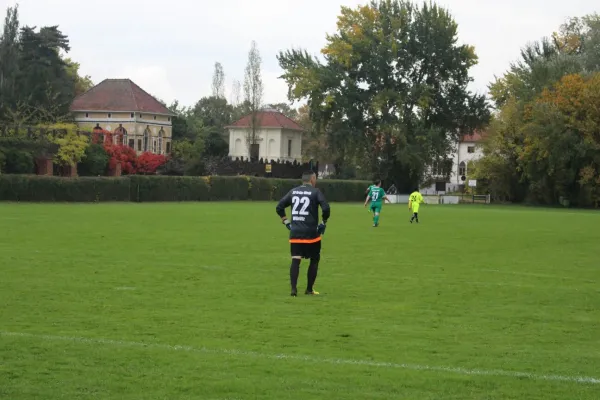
(305, 201)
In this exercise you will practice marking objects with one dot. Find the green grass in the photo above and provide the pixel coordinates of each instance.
(484, 292)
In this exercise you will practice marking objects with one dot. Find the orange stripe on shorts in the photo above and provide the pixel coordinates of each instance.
(306, 241)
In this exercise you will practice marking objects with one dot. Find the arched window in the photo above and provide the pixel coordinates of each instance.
(161, 135)
(462, 169)
(121, 134)
(147, 138)
(237, 148)
(271, 150)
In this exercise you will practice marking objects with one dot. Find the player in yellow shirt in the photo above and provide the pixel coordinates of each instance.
(414, 202)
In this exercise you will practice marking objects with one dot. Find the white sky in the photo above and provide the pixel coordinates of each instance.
(170, 47)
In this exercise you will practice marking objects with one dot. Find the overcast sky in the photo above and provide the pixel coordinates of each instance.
(170, 47)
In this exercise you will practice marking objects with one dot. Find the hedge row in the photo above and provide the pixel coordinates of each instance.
(164, 188)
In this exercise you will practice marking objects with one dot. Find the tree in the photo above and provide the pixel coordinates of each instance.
(215, 145)
(535, 151)
(236, 89)
(213, 113)
(94, 161)
(285, 109)
(186, 158)
(253, 96)
(571, 50)
(182, 125)
(218, 84)
(43, 79)
(391, 94)
(71, 144)
(37, 84)
(9, 57)
(82, 83)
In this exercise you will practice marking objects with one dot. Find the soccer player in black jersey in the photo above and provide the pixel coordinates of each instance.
(305, 229)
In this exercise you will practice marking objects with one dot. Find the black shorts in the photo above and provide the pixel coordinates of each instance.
(306, 250)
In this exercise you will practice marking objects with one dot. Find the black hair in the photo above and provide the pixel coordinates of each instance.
(377, 182)
(307, 175)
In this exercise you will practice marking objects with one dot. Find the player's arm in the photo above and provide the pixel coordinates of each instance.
(325, 210)
(385, 198)
(369, 192)
(284, 203)
(409, 203)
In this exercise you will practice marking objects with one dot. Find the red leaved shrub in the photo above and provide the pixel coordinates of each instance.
(123, 154)
(148, 163)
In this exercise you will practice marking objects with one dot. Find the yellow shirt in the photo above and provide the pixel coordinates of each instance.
(415, 199)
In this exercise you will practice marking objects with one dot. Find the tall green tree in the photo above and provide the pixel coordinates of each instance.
(391, 93)
(44, 80)
(9, 61)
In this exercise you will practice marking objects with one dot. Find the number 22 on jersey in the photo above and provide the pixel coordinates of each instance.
(303, 201)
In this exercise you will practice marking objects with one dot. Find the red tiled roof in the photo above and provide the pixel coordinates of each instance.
(118, 95)
(474, 137)
(268, 119)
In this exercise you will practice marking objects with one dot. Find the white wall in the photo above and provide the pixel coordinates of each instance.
(273, 144)
(462, 154)
(268, 141)
(296, 138)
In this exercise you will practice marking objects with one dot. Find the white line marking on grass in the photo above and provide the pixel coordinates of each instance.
(125, 288)
(292, 357)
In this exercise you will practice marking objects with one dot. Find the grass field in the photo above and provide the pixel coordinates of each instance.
(191, 301)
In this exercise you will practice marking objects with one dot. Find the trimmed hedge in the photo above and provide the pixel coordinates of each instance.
(228, 188)
(339, 191)
(260, 189)
(49, 188)
(168, 188)
(282, 186)
(139, 188)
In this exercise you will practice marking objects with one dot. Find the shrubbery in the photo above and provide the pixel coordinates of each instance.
(138, 188)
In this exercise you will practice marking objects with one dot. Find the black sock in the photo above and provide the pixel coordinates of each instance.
(294, 272)
(313, 269)
(417, 217)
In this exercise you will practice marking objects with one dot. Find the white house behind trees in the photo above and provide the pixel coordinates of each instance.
(467, 150)
(278, 137)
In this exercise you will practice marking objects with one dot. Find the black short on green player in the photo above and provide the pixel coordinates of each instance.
(377, 196)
